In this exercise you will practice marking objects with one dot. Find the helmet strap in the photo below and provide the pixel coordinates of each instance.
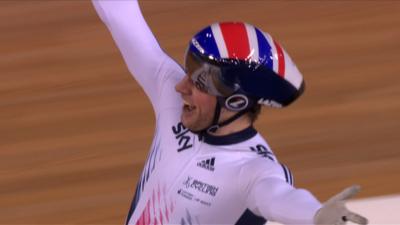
(215, 125)
(214, 128)
(217, 113)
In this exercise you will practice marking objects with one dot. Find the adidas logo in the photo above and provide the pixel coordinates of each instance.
(207, 164)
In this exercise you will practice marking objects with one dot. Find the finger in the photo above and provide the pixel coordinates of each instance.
(355, 218)
(346, 193)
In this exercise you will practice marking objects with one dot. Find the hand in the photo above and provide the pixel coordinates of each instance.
(335, 212)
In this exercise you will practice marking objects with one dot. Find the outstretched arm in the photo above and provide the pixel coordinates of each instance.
(140, 50)
(274, 199)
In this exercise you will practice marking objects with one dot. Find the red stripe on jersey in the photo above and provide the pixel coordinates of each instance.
(159, 196)
(236, 40)
(153, 198)
(161, 218)
(164, 191)
(166, 212)
(147, 210)
(140, 220)
(281, 60)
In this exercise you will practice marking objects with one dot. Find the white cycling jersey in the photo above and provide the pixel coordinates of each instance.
(187, 179)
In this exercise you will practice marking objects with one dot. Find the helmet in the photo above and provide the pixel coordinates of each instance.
(242, 66)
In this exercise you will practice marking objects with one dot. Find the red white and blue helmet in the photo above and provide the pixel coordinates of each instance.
(243, 65)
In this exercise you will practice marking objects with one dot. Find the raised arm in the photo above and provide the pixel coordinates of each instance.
(140, 50)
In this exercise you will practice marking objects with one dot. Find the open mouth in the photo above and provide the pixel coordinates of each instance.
(188, 107)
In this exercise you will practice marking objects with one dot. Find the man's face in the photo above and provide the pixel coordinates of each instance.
(198, 106)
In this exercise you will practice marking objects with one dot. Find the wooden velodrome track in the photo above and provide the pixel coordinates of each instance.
(75, 127)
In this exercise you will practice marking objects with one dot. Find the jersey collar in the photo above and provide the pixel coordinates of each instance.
(230, 139)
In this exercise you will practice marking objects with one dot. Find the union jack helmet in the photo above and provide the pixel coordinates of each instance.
(243, 65)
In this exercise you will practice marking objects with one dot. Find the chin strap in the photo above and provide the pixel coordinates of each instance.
(215, 125)
(217, 113)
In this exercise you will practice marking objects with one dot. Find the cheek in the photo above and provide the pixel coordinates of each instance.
(206, 103)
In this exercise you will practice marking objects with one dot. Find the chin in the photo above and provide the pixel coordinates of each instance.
(188, 125)
(185, 122)
(191, 126)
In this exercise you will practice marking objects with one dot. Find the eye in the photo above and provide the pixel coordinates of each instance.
(199, 79)
(199, 86)
(196, 84)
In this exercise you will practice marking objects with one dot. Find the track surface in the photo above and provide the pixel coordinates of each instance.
(75, 127)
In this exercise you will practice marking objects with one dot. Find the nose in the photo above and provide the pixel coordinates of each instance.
(183, 86)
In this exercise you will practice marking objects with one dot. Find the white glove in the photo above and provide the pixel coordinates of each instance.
(335, 212)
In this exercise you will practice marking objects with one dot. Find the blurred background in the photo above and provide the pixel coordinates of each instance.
(75, 127)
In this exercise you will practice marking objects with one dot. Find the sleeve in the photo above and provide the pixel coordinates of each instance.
(278, 201)
(145, 59)
(271, 195)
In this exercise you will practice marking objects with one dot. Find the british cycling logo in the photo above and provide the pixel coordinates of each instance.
(192, 183)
